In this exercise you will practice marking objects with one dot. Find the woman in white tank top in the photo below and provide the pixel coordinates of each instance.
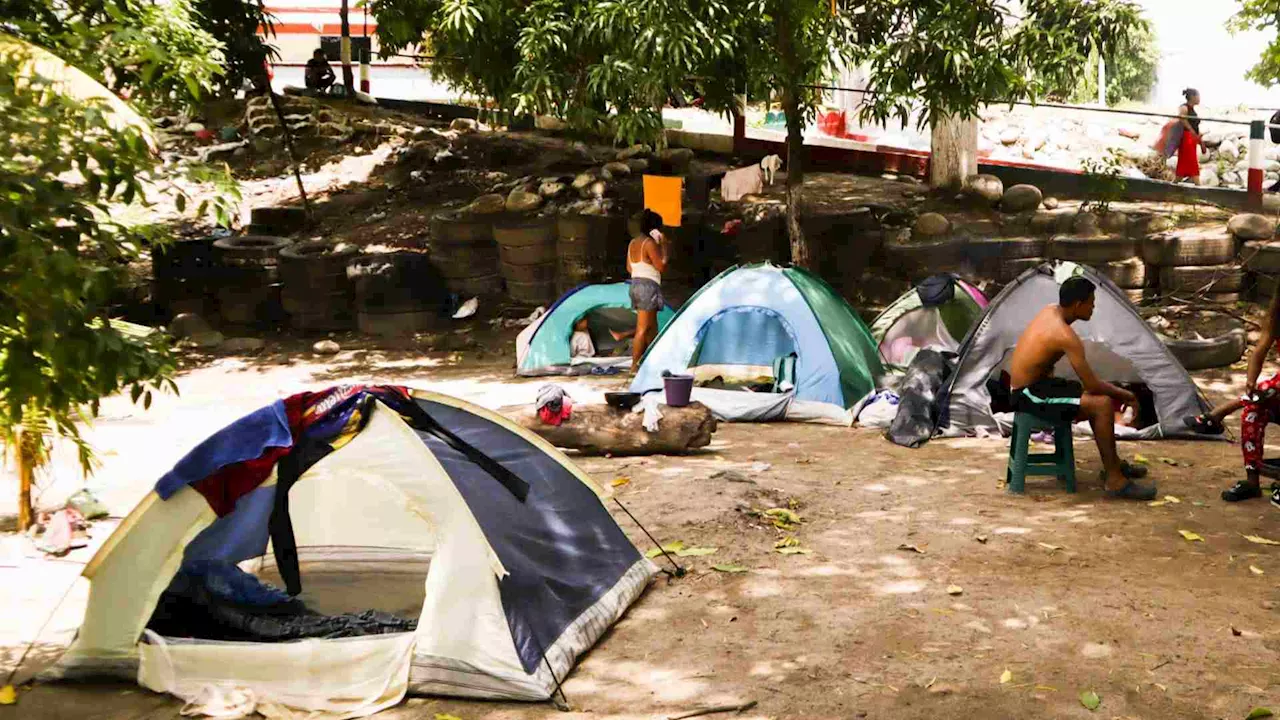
(646, 261)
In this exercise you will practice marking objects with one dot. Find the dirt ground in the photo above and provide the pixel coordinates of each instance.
(1066, 593)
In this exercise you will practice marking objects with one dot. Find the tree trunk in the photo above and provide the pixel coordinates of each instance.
(600, 429)
(348, 78)
(954, 152)
(801, 253)
(28, 458)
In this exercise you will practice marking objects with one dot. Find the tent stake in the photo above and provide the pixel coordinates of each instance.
(679, 571)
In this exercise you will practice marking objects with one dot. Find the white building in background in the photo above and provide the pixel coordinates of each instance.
(301, 26)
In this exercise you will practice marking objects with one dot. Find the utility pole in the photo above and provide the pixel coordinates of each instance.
(347, 78)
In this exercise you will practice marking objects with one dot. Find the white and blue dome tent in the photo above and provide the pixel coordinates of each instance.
(485, 562)
(783, 326)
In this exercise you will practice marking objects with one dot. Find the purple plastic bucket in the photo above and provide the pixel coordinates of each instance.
(678, 389)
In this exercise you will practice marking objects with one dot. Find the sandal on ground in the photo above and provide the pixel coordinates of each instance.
(1132, 471)
(1133, 491)
(1205, 425)
(1242, 491)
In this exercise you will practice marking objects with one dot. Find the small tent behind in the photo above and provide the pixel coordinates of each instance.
(429, 546)
(543, 348)
(937, 313)
(783, 330)
(1119, 346)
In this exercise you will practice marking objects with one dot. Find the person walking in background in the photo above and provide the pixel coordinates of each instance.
(646, 261)
(1190, 144)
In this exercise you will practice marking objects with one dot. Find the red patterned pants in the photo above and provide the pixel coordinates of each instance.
(1253, 423)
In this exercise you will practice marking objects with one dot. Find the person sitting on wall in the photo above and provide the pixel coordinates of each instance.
(319, 75)
(1035, 391)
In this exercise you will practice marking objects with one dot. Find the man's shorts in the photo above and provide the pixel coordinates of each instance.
(646, 295)
(1051, 399)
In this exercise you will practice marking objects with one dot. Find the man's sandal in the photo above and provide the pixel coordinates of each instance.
(1133, 491)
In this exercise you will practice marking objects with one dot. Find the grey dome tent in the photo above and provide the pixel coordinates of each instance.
(1120, 347)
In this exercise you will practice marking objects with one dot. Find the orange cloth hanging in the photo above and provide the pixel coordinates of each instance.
(662, 194)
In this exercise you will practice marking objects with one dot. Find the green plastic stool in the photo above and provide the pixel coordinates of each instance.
(1060, 463)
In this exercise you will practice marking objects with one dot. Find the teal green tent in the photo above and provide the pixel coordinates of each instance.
(544, 348)
(765, 317)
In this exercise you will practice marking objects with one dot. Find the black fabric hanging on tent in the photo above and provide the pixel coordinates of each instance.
(936, 290)
(310, 451)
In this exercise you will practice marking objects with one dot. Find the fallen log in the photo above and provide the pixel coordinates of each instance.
(600, 429)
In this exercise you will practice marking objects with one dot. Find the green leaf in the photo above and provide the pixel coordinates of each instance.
(729, 568)
(671, 547)
(696, 551)
(792, 550)
(1090, 700)
(1259, 712)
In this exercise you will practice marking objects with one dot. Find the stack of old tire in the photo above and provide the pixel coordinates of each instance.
(315, 290)
(463, 249)
(249, 279)
(1195, 263)
(590, 248)
(1260, 253)
(1108, 242)
(397, 293)
(526, 239)
(183, 273)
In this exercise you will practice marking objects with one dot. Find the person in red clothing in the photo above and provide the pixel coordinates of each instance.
(1190, 146)
(1261, 406)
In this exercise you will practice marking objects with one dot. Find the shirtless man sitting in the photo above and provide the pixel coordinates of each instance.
(1037, 392)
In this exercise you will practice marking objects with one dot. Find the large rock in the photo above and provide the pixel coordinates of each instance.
(583, 181)
(520, 201)
(1127, 132)
(1021, 198)
(1209, 178)
(638, 165)
(187, 325)
(1051, 203)
(1251, 226)
(243, 345)
(615, 170)
(988, 188)
(326, 347)
(598, 189)
(551, 189)
(1010, 136)
(931, 224)
(677, 158)
(635, 151)
(487, 204)
(464, 125)
(1212, 140)
(206, 340)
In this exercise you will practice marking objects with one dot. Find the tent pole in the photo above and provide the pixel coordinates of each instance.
(679, 572)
